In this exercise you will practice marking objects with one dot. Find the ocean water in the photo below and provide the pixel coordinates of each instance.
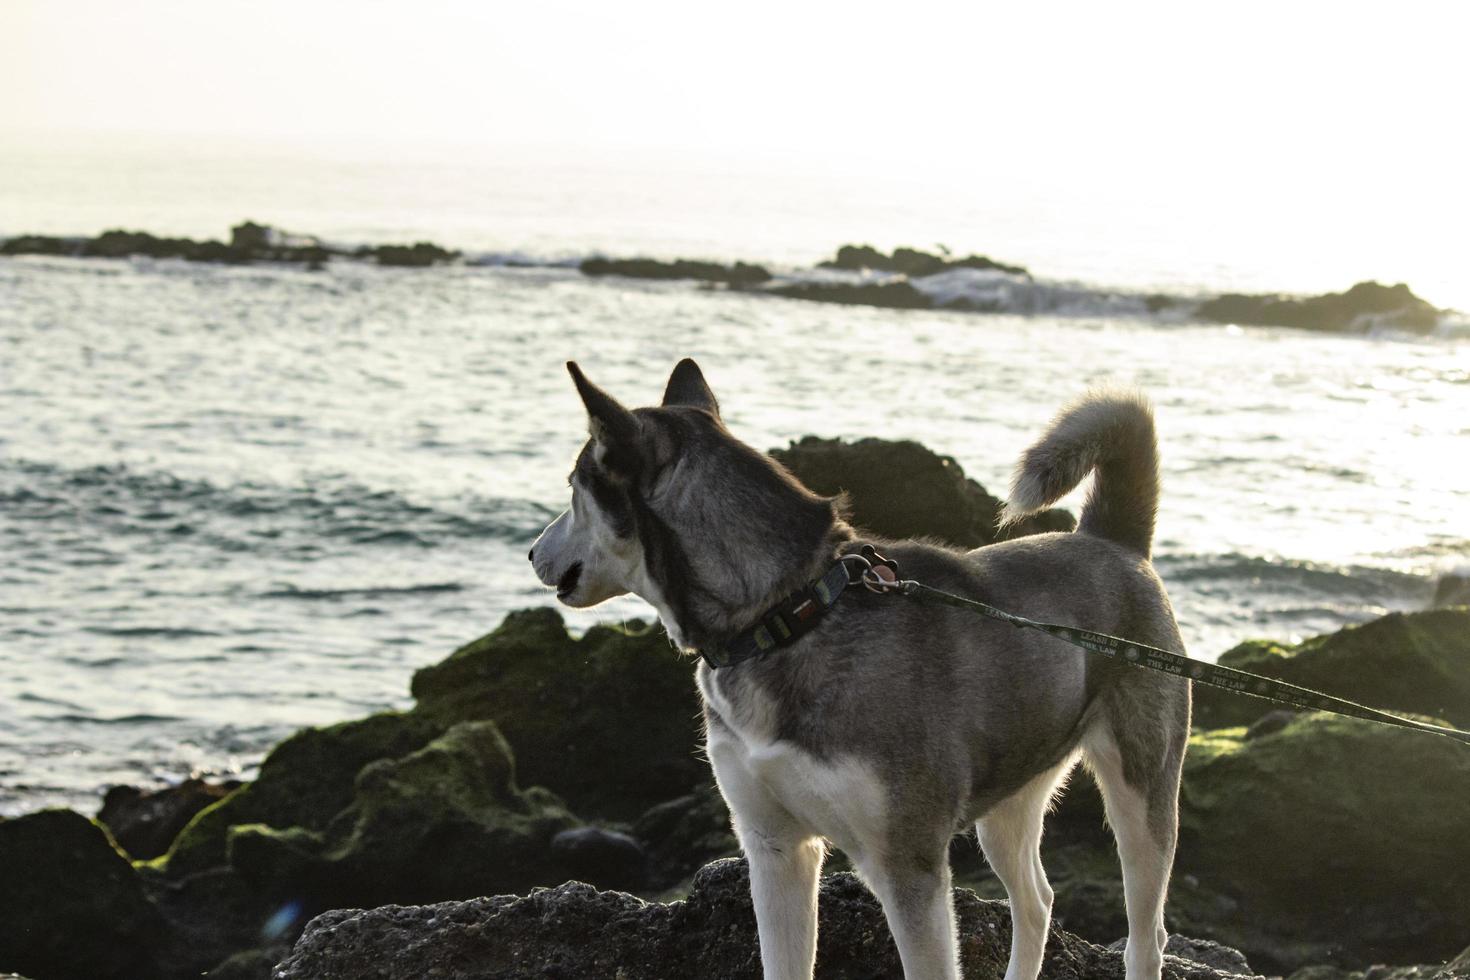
(236, 501)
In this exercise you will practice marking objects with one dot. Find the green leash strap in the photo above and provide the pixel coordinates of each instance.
(1143, 655)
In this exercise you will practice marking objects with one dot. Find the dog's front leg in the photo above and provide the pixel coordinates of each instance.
(784, 874)
(919, 906)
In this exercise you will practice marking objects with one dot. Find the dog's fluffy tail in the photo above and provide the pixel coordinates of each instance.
(1109, 433)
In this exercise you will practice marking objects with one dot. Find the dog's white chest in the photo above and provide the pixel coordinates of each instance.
(769, 781)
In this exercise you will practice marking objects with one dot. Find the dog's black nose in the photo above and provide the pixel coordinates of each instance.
(531, 555)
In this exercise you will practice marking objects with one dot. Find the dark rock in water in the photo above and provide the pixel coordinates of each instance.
(445, 821)
(419, 255)
(304, 782)
(912, 262)
(739, 274)
(71, 906)
(42, 245)
(145, 823)
(609, 721)
(1339, 841)
(604, 858)
(1363, 307)
(1415, 662)
(1453, 589)
(902, 490)
(575, 931)
(897, 294)
(262, 244)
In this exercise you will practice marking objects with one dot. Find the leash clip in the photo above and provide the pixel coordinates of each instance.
(877, 573)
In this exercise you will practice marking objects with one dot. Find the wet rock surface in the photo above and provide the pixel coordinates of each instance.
(575, 931)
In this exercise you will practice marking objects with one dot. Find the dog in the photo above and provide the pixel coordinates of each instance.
(888, 725)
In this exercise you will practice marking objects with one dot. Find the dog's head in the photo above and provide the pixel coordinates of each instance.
(670, 506)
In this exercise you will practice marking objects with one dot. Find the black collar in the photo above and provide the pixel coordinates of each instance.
(786, 622)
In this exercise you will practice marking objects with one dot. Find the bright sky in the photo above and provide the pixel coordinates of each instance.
(1350, 93)
(1319, 108)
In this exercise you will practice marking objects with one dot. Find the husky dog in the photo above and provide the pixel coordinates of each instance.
(892, 725)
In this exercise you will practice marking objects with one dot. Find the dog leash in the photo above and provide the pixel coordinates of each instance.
(880, 575)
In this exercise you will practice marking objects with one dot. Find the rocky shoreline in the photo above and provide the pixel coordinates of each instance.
(546, 766)
(906, 279)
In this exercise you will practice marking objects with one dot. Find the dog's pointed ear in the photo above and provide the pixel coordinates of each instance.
(611, 425)
(688, 387)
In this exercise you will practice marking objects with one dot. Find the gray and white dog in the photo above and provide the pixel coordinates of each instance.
(893, 725)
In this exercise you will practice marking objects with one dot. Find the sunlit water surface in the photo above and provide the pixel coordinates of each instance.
(235, 501)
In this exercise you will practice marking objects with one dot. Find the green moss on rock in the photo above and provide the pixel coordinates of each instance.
(1341, 840)
(305, 782)
(1414, 662)
(446, 821)
(610, 721)
(71, 905)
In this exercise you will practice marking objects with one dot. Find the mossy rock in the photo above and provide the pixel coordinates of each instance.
(611, 721)
(304, 782)
(71, 905)
(446, 821)
(1414, 662)
(1342, 841)
(904, 490)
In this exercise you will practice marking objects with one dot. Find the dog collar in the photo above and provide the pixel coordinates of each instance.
(797, 614)
(785, 623)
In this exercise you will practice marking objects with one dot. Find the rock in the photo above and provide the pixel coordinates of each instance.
(304, 782)
(71, 906)
(1341, 841)
(683, 835)
(445, 821)
(419, 255)
(609, 721)
(912, 262)
(249, 242)
(1452, 589)
(739, 274)
(145, 823)
(252, 964)
(1269, 723)
(902, 490)
(1413, 662)
(604, 858)
(1429, 972)
(212, 915)
(1363, 307)
(574, 931)
(42, 245)
(897, 294)
(1211, 954)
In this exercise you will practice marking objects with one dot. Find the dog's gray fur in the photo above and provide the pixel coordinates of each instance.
(894, 724)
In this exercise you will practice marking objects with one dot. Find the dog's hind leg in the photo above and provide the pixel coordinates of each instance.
(1140, 792)
(913, 884)
(1010, 835)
